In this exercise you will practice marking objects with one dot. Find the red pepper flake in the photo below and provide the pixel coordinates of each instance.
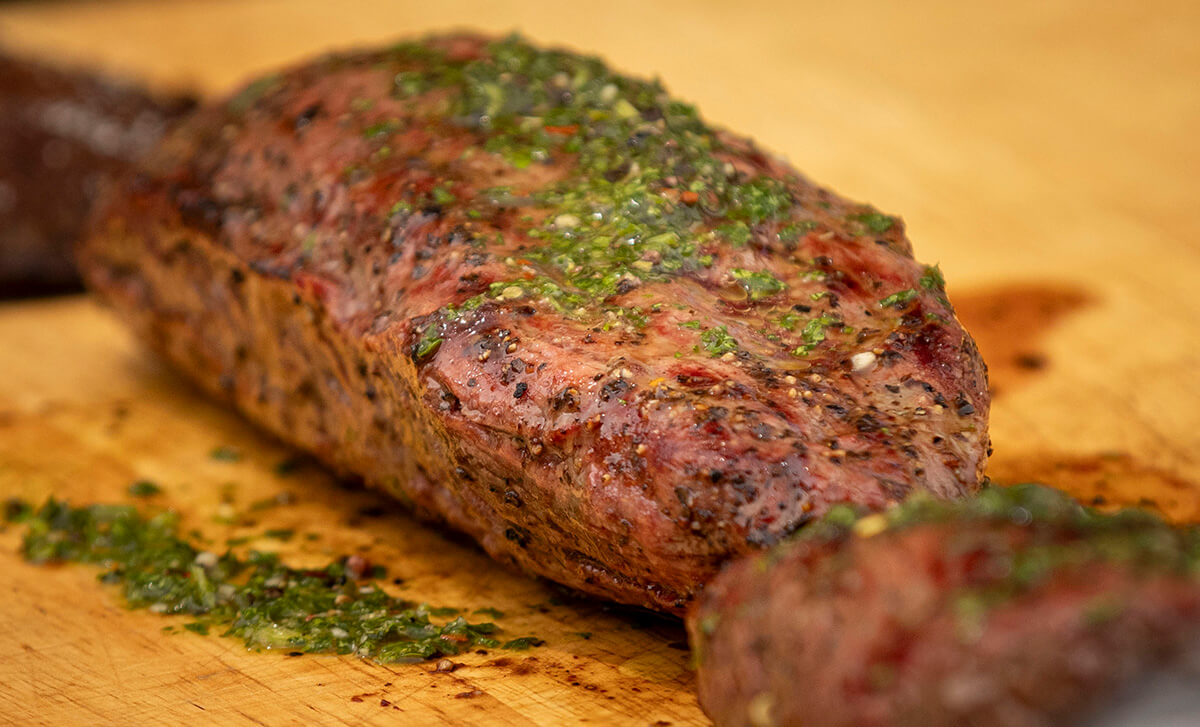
(357, 567)
(313, 286)
(566, 130)
(690, 197)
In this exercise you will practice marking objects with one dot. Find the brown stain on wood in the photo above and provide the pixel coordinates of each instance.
(1109, 480)
(1010, 323)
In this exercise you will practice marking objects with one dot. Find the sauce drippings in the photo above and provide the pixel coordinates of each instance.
(1009, 323)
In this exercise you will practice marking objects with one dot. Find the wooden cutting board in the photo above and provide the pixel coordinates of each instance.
(1043, 153)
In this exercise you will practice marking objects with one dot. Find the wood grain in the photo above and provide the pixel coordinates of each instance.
(1044, 152)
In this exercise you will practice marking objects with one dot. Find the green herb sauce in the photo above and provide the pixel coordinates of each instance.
(899, 299)
(429, 343)
(758, 285)
(1063, 536)
(814, 333)
(144, 488)
(875, 223)
(649, 190)
(1030, 504)
(257, 599)
(933, 281)
(932, 278)
(225, 453)
(718, 342)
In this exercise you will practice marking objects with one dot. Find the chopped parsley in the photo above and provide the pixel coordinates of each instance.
(1129, 535)
(247, 97)
(795, 230)
(197, 627)
(643, 191)
(932, 278)
(876, 223)
(788, 321)
(737, 233)
(933, 281)
(288, 466)
(649, 188)
(718, 342)
(814, 333)
(758, 284)
(898, 299)
(522, 644)
(442, 195)
(1060, 535)
(257, 599)
(144, 488)
(225, 453)
(428, 344)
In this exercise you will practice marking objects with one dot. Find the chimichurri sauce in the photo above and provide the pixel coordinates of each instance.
(1061, 535)
(337, 609)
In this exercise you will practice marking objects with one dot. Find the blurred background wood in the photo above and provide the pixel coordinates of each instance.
(1045, 153)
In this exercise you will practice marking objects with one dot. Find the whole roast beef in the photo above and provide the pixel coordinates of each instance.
(62, 134)
(545, 304)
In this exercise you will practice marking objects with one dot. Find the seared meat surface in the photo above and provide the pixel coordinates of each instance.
(62, 133)
(1019, 608)
(547, 305)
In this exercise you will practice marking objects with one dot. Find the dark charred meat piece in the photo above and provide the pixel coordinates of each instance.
(1015, 609)
(547, 305)
(62, 133)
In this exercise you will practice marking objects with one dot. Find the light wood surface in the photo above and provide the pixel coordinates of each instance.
(1045, 153)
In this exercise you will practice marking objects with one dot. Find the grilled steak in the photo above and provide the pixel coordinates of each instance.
(546, 304)
(1018, 608)
(61, 134)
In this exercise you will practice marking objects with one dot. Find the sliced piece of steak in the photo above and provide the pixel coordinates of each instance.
(1016, 609)
(62, 133)
(545, 304)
